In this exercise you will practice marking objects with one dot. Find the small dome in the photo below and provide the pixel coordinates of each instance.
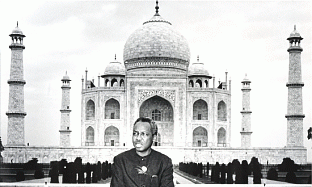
(246, 80)
(197, 69)
(294, 33)
(17, 31)
(66, 77)
(115, 68)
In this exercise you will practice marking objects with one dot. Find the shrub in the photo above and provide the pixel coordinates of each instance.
(291, 177)
(39, 174)
(272, 174)
(20, 176)
(288, 165)
(31, 164)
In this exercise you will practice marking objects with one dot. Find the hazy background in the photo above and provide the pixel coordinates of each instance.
(239, 37)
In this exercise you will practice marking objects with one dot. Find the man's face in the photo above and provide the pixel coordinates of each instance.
(142, 137)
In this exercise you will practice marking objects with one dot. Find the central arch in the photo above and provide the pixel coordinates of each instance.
(161, 111)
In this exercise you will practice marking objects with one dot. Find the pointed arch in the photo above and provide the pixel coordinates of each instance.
(222, 111)
(90, 110)
(112, 109)
(89, 136)
(222, 137)
(206, 84)
(200, 137)
(159, 104)
(198, 83)
(200, 110)
(111, 136)
(122, 83)
(191, 84)
(114, 82)
(162, 111)
(107, 83)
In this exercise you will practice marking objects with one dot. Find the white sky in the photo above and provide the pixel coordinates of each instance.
(239, 37)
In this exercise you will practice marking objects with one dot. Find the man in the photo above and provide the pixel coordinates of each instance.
(142, 166)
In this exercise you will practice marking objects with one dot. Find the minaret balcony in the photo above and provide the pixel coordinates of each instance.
(16, 81)
(245, 112)
(66, 86)
(246, 132)
(295, 84)
(65, 131)
(295, 49)
(16, 46)
(16, 114)
(65, 110)
(294, 116)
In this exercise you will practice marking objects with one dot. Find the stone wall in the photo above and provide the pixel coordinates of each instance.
(23, 154)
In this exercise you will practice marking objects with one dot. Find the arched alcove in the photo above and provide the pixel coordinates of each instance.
(222, 113)
(200, 137)
(200, 110)
(112, 109)
(160, 110)
(90, 110)
(222, 137)
(111, 136)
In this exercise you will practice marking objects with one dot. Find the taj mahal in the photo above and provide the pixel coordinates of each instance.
(156, 80)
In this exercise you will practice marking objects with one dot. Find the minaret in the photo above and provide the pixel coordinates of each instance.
(65, 112)
(16, 113)
(294, 107)
(246, 114)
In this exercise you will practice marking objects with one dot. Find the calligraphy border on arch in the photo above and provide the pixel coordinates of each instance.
(144, 94)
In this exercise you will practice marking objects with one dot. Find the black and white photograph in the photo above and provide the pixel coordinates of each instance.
(155, 92)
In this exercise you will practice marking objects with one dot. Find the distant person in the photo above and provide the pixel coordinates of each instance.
(142, 166)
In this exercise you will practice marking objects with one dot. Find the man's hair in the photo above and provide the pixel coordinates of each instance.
(150, 121)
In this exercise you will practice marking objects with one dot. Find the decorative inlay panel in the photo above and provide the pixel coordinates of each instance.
(143, 94)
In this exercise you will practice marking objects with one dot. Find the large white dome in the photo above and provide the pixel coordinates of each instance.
(156, 42)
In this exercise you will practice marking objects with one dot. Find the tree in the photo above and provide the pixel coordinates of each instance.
(222, 170)
(230, 173)
(54, 172)
(237, 168)
(255, 167)
(245, 171)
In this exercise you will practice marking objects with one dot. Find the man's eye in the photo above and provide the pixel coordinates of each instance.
(135, 134)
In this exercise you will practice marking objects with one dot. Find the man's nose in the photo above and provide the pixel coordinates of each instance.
(138, 137)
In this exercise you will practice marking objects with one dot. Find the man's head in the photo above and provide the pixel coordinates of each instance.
(144, 132)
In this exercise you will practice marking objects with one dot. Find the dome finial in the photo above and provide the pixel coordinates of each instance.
(17, 24)
(197, 58)
(115, 57)
(157, 7)
(294, 27)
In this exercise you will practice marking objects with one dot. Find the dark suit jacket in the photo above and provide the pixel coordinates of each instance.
(131, 170)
